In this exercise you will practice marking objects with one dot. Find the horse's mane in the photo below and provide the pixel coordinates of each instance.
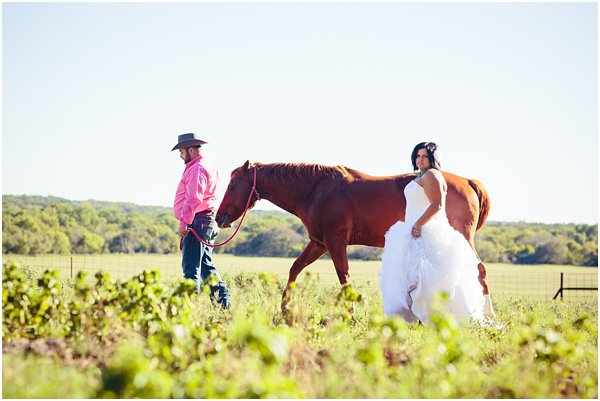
(303, 171)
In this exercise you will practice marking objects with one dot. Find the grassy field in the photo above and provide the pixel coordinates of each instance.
(151, 337)
(537, 281)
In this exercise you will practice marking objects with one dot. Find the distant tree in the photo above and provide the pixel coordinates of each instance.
(488, 251)
(124, 243)
(543, 248)
(590, 253)
(49, 217)
(86, 215)
(281, 241)
(90, 243)
(28, 223)
(364, 252)
(60, 243)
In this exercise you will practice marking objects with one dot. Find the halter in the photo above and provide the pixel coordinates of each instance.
(253, 191)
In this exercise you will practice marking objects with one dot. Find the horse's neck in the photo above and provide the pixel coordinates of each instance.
(285, 195)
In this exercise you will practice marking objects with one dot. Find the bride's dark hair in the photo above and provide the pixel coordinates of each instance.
(433, 154)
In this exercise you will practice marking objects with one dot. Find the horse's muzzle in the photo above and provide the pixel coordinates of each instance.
(223, 220)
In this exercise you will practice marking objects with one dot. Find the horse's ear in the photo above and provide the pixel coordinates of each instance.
(247, 165)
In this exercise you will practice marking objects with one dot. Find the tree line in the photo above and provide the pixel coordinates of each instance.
(49, 225)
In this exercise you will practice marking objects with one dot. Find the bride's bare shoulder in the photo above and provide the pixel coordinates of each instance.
(434, 174)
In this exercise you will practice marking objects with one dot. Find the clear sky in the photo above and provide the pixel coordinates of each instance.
(94, 95)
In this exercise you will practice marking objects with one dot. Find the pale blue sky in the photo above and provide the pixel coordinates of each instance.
(94, 95)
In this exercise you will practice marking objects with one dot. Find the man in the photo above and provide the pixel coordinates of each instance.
(195, 206)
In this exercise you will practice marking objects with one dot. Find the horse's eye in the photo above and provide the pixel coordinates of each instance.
(231, 188)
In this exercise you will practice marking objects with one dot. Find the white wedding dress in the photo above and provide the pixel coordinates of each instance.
(441, 260)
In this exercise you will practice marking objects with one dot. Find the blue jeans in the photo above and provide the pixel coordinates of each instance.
(197, 257)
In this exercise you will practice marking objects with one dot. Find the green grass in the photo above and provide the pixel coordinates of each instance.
(31, 376)
(134, 340)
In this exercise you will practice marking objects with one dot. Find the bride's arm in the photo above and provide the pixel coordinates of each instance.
(433, 184)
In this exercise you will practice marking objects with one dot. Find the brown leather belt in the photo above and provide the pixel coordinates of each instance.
(207, 214)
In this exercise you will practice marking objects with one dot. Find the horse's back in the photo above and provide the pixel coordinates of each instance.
(369, 205)
(379, 202)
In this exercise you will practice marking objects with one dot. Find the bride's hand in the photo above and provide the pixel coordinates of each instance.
(415, 232)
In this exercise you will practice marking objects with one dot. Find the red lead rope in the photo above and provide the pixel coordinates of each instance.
(253, 190)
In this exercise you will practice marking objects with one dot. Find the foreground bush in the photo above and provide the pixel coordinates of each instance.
(149, 339)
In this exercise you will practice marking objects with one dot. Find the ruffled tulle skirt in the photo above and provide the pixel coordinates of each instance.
(414, 270)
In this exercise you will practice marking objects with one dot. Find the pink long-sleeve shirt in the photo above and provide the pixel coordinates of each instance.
(196, 191)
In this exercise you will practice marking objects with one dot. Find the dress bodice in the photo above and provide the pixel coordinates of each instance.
(417, 201)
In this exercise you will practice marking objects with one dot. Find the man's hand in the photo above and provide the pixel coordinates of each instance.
(183, 231)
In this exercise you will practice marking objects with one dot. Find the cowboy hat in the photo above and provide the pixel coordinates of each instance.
(187, 140)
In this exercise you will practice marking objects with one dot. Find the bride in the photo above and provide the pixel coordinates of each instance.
(424, 255)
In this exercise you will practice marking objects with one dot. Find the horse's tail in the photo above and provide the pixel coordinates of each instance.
(484, 201)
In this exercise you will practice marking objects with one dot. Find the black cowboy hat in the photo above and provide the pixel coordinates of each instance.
(187, 140)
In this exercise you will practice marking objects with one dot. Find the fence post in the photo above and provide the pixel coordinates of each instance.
(560, 290)
(71, 266)
(562, 285)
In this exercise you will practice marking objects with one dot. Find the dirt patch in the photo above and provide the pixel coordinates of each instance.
(395, 357)
(58, 348)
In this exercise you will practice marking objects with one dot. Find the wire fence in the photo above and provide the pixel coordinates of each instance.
(574, 284)
(118, 266)
(534, 282)
(570, 286)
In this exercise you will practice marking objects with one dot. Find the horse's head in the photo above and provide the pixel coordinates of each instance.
(237, 194)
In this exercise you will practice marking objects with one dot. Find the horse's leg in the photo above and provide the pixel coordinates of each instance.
(482, 275)
(337, 249)
(311, 252)
(487, 306)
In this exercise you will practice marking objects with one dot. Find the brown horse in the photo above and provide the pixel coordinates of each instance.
(340, 206)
